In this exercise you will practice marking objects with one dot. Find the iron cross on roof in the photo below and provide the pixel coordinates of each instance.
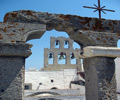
(99, 9)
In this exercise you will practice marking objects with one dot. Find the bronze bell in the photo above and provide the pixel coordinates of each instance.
(66, 42)
(61, 56)
(72, 56)
(50, 55)
(57, 42)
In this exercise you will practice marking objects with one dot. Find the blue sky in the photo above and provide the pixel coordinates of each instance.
(74, 7)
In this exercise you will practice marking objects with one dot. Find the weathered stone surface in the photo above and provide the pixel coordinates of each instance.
(12, 78)
(85, 31)
(12, 63)
(18, 49)
(100, 78)
(20, 32)
(93, 51)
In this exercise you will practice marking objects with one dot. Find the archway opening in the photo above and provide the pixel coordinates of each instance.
(66, 44)
(46, 61)
(72, 58)
(62, 58)
(53, 88)
(36, 60)
(57, 44)
(50, 58)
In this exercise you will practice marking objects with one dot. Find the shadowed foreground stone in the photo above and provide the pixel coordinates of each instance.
(12, 70)
(100, 78)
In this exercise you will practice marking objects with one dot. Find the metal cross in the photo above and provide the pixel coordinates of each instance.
(99, 9)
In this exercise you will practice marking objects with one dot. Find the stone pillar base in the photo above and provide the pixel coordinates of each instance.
(100, 78)
(12, 63)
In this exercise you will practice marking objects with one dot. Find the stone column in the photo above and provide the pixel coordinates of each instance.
(12, 70)
(68, 60)
(46, 51)
(100, 78)
(55, 60)
(61, 44)
(79, 65)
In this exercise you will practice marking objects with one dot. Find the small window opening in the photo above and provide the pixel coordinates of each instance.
(57, 44)
(66, 44)
(27, 87)
(52, 81)
(73, 59)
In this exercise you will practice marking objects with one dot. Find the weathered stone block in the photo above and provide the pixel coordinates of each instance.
(12, 78)
(12, 63)
(100, 78)
(93, 51)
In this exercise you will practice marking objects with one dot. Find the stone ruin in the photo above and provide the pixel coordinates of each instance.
(97, 38)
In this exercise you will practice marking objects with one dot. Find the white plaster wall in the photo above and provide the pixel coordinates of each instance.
(117, 64)
(61, 79)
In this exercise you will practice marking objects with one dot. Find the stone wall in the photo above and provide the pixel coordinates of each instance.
(12, 70)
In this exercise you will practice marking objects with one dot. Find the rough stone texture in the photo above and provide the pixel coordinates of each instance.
(100, 74)
(18, 49)
(85, 31)
(20, 32)
(12, 70)
(12, 78)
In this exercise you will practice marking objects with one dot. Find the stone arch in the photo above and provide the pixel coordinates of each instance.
(59, 22)
(34, 34)
(77, 27)
(50, 58)
(72, 58)
(57, 44)
(66, 44)
(37, 34)
(62, 56)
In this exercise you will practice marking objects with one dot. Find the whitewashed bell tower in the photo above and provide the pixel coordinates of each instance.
(62, 53)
